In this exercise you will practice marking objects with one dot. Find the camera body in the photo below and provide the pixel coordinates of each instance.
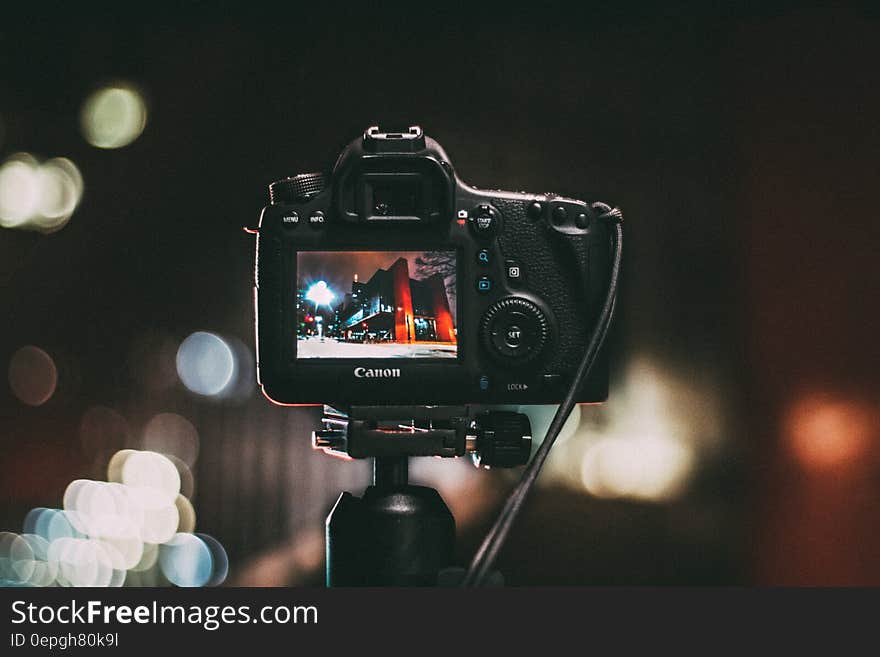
(393, 282)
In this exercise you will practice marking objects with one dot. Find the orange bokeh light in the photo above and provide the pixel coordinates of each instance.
(826, 432)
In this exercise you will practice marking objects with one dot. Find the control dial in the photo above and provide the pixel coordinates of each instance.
(515, 330)
(296, 189)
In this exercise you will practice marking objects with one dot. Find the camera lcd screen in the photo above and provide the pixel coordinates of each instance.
(376, 304)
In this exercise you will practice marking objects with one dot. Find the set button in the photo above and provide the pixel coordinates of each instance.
(513, 335)
(515, 330)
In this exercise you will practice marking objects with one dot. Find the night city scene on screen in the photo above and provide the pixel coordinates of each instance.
(376, 304)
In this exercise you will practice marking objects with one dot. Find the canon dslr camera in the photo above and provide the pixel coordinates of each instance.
(391, 281)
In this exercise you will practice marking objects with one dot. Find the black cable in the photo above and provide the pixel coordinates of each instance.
(486, 555)
(507, 517)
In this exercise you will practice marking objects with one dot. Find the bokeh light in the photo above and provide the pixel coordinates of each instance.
(116, 463)
(32, 375)
(152, 478)
(61, 189)
(151, 485)
(126, 545)
(540, 417)
(16, 559)
(149, 558)
(151, 576)
(50, 524)
(135, 530)
(88, 506)
(38, 196)
(113, 116)
(19, 190)
(44, 572)
(187, 480)
(645, 443)
(654, 468)
(174, 435)
(241, 386)
(186, 560)
(186, 515)
(80, 562)
(205, 363)
(826, 432)
(219, 559)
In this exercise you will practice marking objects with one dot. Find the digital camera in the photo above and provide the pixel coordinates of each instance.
(390, 281)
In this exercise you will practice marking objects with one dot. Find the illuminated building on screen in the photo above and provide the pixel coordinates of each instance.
(393, 307)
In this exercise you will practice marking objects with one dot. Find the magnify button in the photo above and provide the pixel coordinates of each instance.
(483, 257)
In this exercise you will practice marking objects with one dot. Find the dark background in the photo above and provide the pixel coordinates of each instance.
(742, 145)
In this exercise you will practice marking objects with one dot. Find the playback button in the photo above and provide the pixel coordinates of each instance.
(484, 284)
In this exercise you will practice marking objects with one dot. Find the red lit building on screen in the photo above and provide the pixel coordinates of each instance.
(393, 307)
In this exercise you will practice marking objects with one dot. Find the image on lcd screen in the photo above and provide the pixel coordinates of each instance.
(376, 304)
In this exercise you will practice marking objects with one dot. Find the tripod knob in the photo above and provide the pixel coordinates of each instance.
(503, 439)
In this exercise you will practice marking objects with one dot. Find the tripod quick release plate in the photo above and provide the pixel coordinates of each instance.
(491, 438)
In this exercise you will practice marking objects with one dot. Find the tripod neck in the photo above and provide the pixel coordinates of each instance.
(395, 535)
(390, 471)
